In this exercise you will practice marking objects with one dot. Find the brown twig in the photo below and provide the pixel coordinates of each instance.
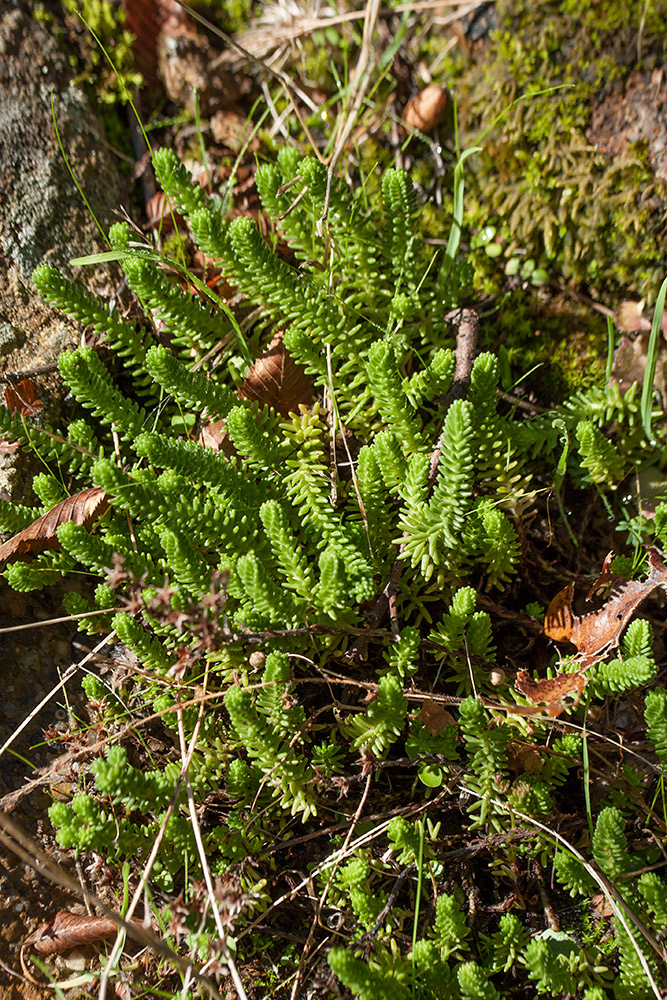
(467, 322)
(30, 372)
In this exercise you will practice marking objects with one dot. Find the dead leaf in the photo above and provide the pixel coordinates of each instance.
(23, 398)
(232, 130)
(206, 269)
(277, 380)
(600, 906)
(595, 634)
(629, 364)
(146, 19)
(435, 717)
(559, 620)
(161, 214)
(212, 435)
(7, 447)
(66, 931)
(187, 60)
(552, 691)
(427, 108)
(605, 579)
(82, 508)
(629, 317)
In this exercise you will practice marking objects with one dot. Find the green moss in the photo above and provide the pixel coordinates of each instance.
(560, 348)
(598, 218)
(105, 22)
(234, 14)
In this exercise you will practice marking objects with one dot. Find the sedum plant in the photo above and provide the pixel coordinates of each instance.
(391, 483)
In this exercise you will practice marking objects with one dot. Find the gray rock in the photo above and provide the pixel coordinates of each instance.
(43, 217)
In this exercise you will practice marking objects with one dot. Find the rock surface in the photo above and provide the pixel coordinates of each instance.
(42, 215)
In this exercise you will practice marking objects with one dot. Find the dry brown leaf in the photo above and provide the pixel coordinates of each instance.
(23, 398)
(146, 19)
(552, 691)
(427, 108)
(629, 317)
(629, 364)
(206, 269)
(600, 906)
(161, 214)
(559, 620)
(435, 717)
(595, 634)
(605, 579)
(232, 130)
(211, 435)
(188, 61)
(277, 380)
(82, 508)
(66, 931)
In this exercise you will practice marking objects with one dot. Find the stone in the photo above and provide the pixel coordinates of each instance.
(43, 217)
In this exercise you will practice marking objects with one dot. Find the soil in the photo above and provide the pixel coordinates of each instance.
(635, 113)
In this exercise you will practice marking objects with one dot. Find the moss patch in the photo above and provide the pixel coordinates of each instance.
(595, 217)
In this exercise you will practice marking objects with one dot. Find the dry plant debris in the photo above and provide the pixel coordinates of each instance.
(66, 931)
(83, 508)
(597, 633)
(276, 380)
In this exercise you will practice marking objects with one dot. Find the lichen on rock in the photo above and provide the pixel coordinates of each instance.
(42, 215)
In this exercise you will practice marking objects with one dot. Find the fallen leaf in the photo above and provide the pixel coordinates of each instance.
(232, 130)
(277, 380)
(205, 269)
(82, 508)
(188, 61)
(427, 108)
(66, 931)
(559, 620)
(605, 579)
(628, 317)
(629, 364)
(595, 634)
(600, 906)
(211, 435)
(146, 19)
(552, 691)
(435, 717)
(23, 398)
(7, 447)
(161, 214)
